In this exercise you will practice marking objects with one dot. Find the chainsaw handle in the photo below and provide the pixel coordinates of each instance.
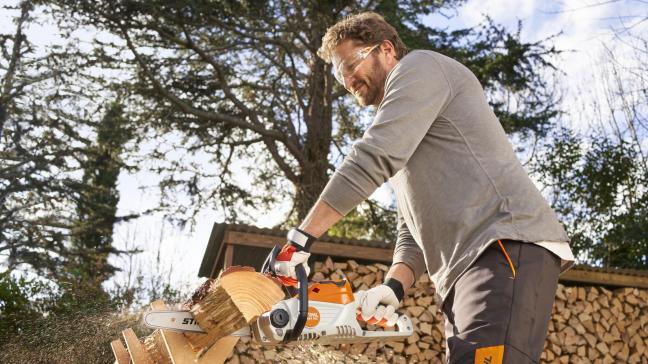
(294, 333)
(269, 267)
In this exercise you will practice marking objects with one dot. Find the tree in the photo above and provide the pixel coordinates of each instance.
(96, 201)
(35, 148)
(241, 83)
(599, 180)
(59, 167)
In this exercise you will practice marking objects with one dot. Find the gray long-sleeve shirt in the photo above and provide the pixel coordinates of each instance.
(457, 181)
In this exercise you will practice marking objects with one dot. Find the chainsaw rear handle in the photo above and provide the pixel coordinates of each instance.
(269, 267)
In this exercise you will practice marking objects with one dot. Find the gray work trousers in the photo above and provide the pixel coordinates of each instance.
(495, 316)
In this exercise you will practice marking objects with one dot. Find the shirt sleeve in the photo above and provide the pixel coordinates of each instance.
(416, 92)
(407, 251)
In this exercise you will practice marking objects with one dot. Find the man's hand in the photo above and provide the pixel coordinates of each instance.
(378, 305)
(293, 253)
(288, 258)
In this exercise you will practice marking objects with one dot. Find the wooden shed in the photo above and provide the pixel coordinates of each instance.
(235, 244)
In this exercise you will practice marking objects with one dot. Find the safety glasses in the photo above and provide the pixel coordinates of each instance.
(347, 67)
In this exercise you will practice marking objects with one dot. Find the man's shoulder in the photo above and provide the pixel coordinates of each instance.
(421, 60)
(426, 56)
(419, 55)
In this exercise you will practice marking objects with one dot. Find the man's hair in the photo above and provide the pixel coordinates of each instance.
(367, 28)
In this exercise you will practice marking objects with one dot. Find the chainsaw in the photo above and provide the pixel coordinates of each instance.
(325, 312)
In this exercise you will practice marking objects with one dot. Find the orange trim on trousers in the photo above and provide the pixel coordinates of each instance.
(507, 257)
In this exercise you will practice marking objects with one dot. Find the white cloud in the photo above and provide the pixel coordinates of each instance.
(504, 12)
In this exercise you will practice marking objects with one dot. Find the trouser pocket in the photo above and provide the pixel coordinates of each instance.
(507, 257)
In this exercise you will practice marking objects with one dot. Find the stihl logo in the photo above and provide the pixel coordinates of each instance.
(189, 321)
(313, 317)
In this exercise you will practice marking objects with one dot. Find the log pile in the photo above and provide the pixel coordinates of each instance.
(589, 325)
(424, 346)
(597, 325)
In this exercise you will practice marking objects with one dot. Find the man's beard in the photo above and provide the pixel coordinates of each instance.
(375, 82)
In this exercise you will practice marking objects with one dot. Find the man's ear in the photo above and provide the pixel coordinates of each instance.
(388, 48)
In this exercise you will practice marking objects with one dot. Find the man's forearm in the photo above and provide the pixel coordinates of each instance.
(402, 273)
(320, 218)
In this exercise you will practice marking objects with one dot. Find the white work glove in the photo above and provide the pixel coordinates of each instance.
(293, 253)
(378, 305)
(287, 259)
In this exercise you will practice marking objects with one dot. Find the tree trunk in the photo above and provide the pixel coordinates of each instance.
(319, 120)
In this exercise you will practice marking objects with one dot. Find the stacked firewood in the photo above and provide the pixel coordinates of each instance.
(425, 345)
(589, 325)
(597, 325)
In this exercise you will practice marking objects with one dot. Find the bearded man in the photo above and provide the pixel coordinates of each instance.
(468, 213)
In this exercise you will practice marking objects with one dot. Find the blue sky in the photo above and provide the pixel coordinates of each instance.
(583, 28)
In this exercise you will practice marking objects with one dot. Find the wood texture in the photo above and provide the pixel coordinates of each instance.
(138, 354)
(120, 352)
(252, 293)
(176, 346)
(220, 351)
(604, 278)
(156, 348)
(235, 299)
(229, 256)
(348, 251)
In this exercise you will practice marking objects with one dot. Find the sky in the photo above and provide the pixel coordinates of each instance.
(582, 28)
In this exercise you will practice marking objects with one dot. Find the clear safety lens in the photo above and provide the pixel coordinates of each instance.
(345, 68)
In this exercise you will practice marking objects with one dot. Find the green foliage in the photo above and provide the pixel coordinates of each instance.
(599, 190)
(97, 203)
(58, 176)
(599, 179)
(18, 302)
(368, 221)
(37, 149)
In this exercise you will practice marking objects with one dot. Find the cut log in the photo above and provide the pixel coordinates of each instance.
(352, 264)
(369, 279)
(138, 354)
(396, 345)
(412, 349)
(175, 345)
(328, 263)
(120, 352)
(220, 351)
(232, 301)
(154, 345)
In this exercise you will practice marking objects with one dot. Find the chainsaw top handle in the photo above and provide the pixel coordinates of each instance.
(269, 267)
